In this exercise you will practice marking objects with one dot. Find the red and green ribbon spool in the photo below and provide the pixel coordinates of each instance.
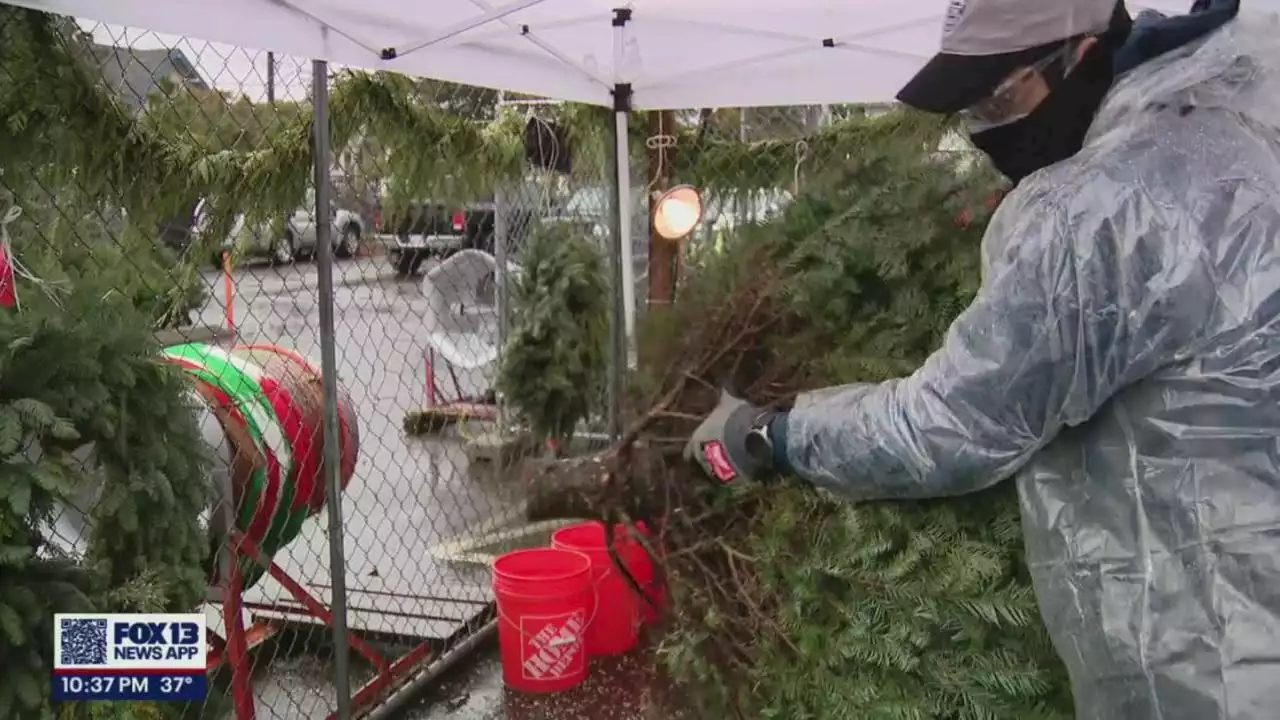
(247, 511)
(243, 381)
(277, 396)
(250, 505)
(348, 426)
(237, 390)
(295, 396)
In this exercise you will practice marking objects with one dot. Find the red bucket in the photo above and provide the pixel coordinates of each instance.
(544, 603)
(615, 616)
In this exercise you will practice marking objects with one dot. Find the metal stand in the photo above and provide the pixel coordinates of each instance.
(236, 649)
(456, 407)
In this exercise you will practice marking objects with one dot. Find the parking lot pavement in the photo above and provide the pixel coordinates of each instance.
(408, 494)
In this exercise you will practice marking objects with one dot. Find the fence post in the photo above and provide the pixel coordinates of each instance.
(329, 370)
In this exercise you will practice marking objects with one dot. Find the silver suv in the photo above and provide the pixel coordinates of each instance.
(298, 238)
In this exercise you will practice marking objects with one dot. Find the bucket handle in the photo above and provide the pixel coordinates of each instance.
(647, 594)
(595, 609)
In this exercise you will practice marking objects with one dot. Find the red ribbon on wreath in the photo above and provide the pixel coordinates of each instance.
(8, 289)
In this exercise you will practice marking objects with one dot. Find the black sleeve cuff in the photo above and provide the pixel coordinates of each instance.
(777, 429)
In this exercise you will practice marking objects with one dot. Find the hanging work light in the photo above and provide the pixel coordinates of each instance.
(677, 211)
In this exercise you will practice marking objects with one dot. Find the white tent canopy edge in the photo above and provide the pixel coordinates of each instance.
(651, 54)
(673, 53)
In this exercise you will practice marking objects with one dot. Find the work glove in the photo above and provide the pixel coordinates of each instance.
(733, 444)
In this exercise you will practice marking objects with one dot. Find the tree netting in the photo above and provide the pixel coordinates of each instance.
(787, 603)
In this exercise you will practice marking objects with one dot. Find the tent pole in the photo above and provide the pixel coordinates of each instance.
(329, 373)
(626, 248)
(623, 285)
(500, 249)
(621, 261)
(622, 101)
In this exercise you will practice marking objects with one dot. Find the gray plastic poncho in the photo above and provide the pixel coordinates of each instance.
(1123, 361)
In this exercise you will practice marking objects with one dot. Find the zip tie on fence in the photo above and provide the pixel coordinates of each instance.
(802, 153)
(18, 270)
(660, 142)
(463, 418)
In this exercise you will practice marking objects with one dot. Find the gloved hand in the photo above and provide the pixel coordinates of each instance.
(733, 444)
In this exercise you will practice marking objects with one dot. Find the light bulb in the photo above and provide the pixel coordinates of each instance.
(677, 212)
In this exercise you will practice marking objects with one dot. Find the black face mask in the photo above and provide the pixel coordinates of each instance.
(1055, 130)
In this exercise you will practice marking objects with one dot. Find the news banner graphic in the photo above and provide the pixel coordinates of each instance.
(129, 657)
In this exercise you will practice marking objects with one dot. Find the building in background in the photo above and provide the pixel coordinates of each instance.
(135, 75)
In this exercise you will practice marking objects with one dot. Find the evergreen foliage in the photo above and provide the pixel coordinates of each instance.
(77, 366)
(789, 604)
(554, 361)
(214, 119)
(257, 159)
(87, 415)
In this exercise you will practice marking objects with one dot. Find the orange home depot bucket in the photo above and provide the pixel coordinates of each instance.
(544, 607)
(615, 614)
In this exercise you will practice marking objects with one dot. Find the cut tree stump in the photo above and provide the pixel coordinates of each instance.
(585, 486)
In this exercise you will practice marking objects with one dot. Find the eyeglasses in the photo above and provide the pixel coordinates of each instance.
(1002, 106)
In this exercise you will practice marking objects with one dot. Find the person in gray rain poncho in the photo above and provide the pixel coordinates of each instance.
(1121, 360)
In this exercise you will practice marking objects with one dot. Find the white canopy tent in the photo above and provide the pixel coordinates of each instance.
(673, 53)
(652, 54)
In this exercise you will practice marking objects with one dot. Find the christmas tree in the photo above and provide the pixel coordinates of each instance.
(89, 419)
(86, 412)
(789, 604)
(553, 363)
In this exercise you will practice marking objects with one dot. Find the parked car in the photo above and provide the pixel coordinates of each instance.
(295, 237)
(176, 233)
(432, 229)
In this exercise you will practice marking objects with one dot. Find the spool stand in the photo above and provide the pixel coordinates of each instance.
(236, 649)
(459, 406)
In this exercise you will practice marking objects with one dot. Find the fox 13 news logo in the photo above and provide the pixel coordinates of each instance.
(129, 657)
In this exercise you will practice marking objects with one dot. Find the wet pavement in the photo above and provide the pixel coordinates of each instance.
(408, 494)
(617, 688)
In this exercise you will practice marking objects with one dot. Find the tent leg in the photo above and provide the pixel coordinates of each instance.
(329, 374)
(621, 270)
(622, 191)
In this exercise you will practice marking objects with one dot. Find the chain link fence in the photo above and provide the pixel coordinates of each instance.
(437, 191)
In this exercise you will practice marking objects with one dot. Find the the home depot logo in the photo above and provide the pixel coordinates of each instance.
(553, 646)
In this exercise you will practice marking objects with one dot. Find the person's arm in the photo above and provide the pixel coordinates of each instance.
(1069, 318)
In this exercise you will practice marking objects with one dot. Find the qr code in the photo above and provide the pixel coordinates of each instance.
(84, 641)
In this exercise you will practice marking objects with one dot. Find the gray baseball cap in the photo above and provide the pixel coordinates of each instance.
(984, 41)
